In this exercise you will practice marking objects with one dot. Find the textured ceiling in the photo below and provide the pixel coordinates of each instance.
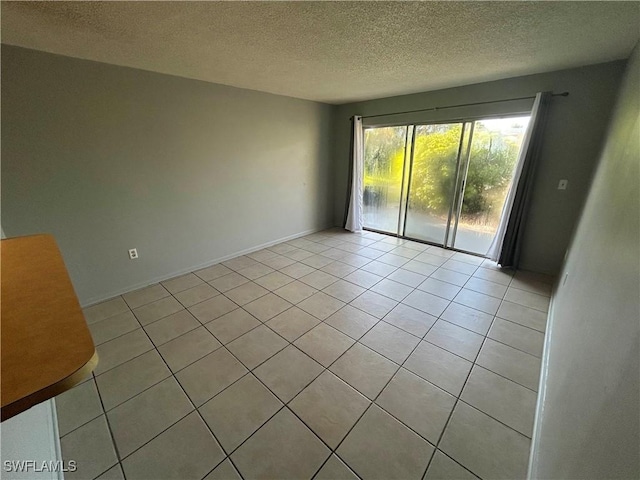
(332, 52)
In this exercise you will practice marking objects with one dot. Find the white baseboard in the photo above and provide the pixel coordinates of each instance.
(101, 298)
(542, 391)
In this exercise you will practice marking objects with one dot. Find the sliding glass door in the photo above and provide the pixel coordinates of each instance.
(441, 183)
(493, 155)
(432, 181)
(384, 164)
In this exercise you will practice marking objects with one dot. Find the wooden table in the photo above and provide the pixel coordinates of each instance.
(46, 345)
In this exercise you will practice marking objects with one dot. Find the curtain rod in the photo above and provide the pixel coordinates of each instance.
(563, 94)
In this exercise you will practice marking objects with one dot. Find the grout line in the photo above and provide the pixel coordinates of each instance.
(446, 425)
(189, 413)
(168, 294)
(113, 438)
(284, 404)
(494, 418)
(166, 428)
(116, 337)
(373, 401)
(357, 341)
(450, 458)
(458, 398)
(520, 325)
(378, 320)
(141, 391)
(511, 346)
(128, 360)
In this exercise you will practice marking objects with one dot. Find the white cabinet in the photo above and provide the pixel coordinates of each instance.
(30, 447)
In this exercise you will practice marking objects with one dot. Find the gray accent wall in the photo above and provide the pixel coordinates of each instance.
(109, 158)
(588, 416)
(573, 137)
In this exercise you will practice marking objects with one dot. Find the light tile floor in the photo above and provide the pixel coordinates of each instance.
(332, 356)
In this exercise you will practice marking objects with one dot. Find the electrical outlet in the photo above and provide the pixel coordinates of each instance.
(133, 253)
(562, 185)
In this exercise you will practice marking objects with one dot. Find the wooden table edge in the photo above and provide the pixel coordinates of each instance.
(50, 391)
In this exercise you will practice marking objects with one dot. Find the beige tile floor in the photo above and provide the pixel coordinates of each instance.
(332, 356)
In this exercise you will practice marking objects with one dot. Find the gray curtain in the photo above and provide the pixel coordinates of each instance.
(509, 247)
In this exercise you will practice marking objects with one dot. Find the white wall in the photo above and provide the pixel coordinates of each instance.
(588, 417)
(109, 158)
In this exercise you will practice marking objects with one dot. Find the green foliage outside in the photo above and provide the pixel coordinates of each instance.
(383, 164)
(493, 157)
(434, 168)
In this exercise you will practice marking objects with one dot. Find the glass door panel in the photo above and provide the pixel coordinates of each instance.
(384, 160)
(436, 150)
(489, 174)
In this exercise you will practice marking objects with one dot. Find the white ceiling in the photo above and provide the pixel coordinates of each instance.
(333, 52)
